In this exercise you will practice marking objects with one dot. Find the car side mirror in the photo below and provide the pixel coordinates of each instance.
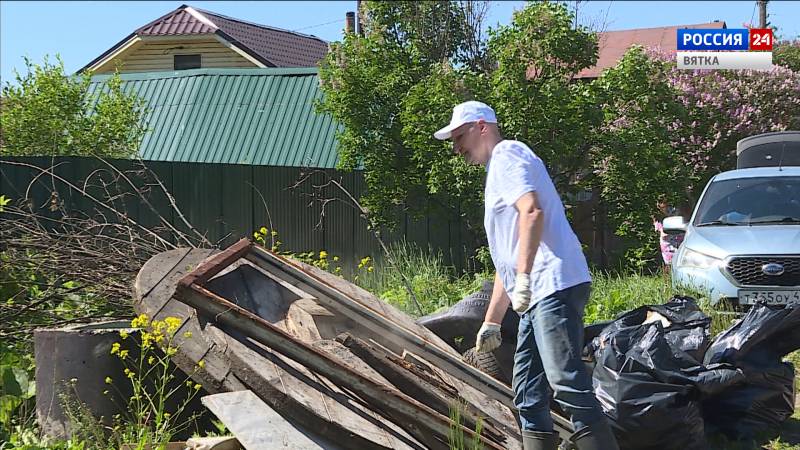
(674, 225)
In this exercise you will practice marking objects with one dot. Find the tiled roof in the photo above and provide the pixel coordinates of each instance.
(180, 21)
(281, 47)
(273, 47)
(613, 44)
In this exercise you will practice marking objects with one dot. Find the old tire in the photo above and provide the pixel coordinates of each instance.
(486, 362)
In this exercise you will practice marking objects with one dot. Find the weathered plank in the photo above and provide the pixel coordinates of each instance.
(392, 401)
(372, 314)
(417, 388)
(287, 386)
(310, 400)
(153, 289)
(257, 426)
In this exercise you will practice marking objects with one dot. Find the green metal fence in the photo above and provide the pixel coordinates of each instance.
(225, 202)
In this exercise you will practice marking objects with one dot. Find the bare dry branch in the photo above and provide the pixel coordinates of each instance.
(61, 265)
(320, 194)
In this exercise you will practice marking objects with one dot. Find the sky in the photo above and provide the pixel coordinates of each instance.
(79, 31)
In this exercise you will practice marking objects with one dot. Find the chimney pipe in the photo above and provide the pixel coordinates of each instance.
(350, 22)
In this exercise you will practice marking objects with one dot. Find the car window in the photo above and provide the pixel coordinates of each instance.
(749, 201)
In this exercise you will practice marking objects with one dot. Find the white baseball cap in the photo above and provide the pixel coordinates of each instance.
(466, 112)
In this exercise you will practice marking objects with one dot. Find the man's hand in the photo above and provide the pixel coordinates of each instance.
(488, 337)
(521, 297)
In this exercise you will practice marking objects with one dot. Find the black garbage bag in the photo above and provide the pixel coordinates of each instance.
(756, 409)
(649, 379)
(764, 335)
(756, 344)
(689, 325)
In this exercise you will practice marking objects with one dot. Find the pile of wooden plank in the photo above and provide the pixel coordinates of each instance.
(330, 358)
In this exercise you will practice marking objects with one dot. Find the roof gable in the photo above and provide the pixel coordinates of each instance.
(272, 47)
(183, 20)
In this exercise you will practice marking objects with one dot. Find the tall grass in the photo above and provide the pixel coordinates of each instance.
(438, 286)
(435, 284)
(614, 294)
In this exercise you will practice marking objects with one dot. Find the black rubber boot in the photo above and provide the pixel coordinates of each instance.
(595, 437)
(539, 440)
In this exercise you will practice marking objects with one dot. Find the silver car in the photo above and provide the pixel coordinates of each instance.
(742, 242)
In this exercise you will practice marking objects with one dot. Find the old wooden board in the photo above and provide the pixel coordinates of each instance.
(394, 330)
(257, 426)
(312, 400)
(307, 319)
(233, 363)
(153, 290)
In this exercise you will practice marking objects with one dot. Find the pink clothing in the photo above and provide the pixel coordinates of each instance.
(669, 243)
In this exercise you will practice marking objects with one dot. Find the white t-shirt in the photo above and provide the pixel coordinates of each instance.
(512, 171)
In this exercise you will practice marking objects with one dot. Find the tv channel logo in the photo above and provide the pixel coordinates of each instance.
(730, 48)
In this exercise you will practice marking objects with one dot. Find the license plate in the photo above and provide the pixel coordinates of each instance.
(771, 296)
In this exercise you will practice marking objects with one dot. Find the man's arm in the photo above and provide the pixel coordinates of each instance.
(498, 303)
(489, 337)
(531, 223)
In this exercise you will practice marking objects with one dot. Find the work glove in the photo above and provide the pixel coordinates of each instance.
(488, 337)
(521, 297)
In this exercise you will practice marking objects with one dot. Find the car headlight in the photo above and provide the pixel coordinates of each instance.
(691, 258)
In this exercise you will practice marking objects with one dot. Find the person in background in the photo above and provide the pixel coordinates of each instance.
(668, 243)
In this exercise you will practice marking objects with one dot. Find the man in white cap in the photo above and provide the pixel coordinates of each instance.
(542, 273)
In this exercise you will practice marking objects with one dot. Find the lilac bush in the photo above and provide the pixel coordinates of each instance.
(667, 131)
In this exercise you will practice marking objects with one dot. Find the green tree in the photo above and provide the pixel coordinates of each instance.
(534, 92)
(667, 131)
(787, 54)
(633, 161)
(396, 85)
(49, 112)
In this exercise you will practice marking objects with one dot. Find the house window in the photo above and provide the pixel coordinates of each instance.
(183, 62)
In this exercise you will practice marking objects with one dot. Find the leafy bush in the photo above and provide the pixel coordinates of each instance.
(49, 112)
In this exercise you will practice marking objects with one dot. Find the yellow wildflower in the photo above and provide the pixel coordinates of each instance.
(370, 268)
(173, 323)
(123, 354)
(201, 363)
(187, 334)
(115, 348)
(197, 387)
(171, 351)
(123, 334)
(151, 360)
(335, 258)
(263, 230)
(140, 321)
(129, 373)
(147, 339)
(157, 326)
(323, 254)
(167, 415)
(108, 380)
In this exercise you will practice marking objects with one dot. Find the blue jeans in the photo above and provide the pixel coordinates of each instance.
(548, 357)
